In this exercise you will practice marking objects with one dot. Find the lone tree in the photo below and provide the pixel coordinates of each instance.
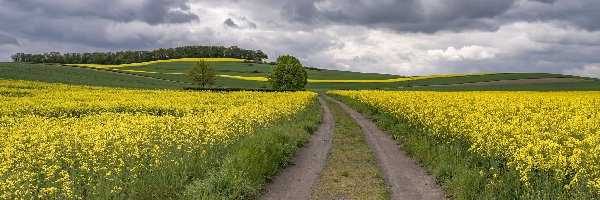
(289, 74)
(203, 73)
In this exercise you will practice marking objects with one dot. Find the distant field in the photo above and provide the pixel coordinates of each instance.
(254, 69)
(175, 71)
(77, 76)
(576, 86)
(484, 78)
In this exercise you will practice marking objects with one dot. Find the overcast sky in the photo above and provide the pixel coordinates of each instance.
(406, 37)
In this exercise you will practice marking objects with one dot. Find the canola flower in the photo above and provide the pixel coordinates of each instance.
(536, 132)
(76, 142)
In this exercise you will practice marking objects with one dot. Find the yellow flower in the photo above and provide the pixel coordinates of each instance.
(61, 142)
(557, 132)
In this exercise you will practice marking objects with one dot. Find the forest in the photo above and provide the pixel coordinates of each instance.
(123, 57)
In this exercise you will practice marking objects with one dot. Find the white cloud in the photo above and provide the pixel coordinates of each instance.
(589, 70)
(473, 52)
(515, 46)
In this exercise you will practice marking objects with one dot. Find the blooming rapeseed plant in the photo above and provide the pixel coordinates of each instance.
(76, 142)
(555, 132)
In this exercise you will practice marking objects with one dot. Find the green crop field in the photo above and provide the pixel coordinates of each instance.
(574, 86)
(254, 69)
(145, 77)
(77, 76)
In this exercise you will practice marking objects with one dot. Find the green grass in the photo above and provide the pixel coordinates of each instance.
(484, 78)
(77, 76)
(351, 171)
(262, 70)
(74, 75)
(573, 86)
(242, 172)
(464, 175)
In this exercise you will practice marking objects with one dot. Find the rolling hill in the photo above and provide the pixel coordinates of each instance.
(238, 74)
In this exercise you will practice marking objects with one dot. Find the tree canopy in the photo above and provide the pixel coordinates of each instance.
(203, 74)
(289, 74)
(123, 57)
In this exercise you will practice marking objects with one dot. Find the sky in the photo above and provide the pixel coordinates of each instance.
(405, 37)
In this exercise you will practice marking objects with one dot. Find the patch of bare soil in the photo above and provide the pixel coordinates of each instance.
(405, 178)
(296, 181)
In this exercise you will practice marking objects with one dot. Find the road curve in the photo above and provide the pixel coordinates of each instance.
(296, 180)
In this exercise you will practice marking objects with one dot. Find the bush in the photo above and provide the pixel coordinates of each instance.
(289, 74)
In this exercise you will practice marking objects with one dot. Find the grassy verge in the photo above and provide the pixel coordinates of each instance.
(462, 174)
(256, 159)
(351, 171)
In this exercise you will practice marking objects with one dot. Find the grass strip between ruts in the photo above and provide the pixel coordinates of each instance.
(351, 171)
(462, 174)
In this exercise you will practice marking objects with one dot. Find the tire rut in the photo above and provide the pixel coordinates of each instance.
(296, 180)
(404, 177)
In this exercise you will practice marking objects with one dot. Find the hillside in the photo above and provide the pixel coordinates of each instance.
(171, 75)
(78, 76)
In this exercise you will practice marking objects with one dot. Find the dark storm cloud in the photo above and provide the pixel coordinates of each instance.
(7, 39)
(229, 23)
(149, 11)
(93, 22)
(581, 13)
(303, 11)
(545, 1)
(433, 16)
(401, 15)
(392, 36)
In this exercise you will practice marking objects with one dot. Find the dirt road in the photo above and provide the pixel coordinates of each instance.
(405, 178)
(296, 181)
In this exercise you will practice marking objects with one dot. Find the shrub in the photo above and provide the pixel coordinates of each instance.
(203, 73)
(289, 74)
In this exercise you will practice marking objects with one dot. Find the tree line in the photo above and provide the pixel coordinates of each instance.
(124, 57)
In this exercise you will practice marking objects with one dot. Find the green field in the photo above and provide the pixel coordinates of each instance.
(78, 76)
(81, 76)
(254, 69)
(576, 86)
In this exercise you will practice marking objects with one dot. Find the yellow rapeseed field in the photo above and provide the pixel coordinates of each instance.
(536, 132)
(71, 142)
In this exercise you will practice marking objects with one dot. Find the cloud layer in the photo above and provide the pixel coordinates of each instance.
(407, 37)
